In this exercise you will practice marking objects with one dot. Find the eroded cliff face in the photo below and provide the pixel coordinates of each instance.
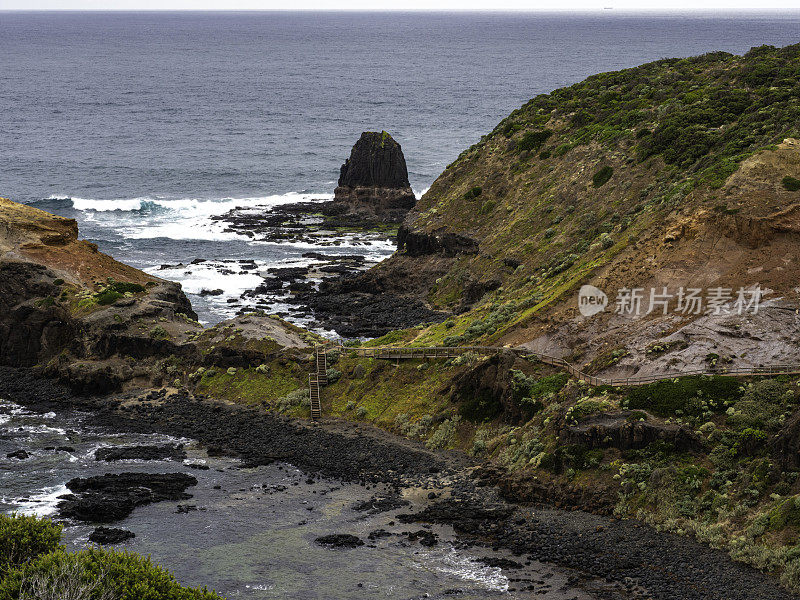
(61, 300)
(76, 314)
(374, 180)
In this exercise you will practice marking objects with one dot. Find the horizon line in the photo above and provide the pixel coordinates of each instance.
(609, 10)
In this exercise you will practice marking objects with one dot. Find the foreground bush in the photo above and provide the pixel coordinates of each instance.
(23, 539)
(34, 566)
(95, 574)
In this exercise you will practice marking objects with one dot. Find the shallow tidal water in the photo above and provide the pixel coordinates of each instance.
(253, 536)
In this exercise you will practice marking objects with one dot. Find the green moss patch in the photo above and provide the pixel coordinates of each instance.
(253, 387)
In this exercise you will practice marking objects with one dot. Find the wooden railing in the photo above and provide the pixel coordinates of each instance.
(431, 352)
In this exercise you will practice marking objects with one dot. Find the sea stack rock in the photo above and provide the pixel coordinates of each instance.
(373, 182)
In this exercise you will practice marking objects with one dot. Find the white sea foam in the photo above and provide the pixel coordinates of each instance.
(206, 276)
(39, 429)
(178, 218)
(41, 503)
(188, 206)
(454, 564)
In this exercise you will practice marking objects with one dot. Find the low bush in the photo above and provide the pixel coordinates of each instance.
(444, 434)
(159, 333)
(107, 297)
(480, 406)
(125, 287)
(667, 397)
(23, 538)
(473, 193)
(602, 176)
(298, 397)
(533, 140)
(487, 207)
(790, 183)
(96, 574)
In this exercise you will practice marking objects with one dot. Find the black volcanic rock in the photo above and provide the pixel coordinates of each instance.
(375, 161)
(165, 452)
(373, 182)
(110, 535)
(111, 497)
(339, 540)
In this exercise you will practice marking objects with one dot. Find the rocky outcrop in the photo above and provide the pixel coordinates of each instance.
(375, 302)
(374, 180)
(626, 430)
(30, 327)
(110, 535)
(165, 452)
(339, 540)
(78, 313)
(448, 243)
(107, 498)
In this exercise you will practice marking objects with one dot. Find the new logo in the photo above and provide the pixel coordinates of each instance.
(591, 300)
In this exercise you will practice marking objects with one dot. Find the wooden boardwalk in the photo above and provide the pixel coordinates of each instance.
(411, 352)
(319, 377)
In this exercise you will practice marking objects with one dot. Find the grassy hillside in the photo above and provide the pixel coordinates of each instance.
(589, 180)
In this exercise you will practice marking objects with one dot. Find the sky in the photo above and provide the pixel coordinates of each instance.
(522, 5)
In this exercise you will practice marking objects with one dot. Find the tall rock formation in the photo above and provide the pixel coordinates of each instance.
(373, 182)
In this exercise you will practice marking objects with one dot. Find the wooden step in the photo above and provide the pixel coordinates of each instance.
(313, 393)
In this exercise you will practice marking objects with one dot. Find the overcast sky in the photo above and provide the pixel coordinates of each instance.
(527, 5)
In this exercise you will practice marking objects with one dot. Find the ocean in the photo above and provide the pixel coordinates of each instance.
(145, 126)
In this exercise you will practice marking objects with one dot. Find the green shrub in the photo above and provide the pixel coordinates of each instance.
(533, 140)
(602, 176)
(159, 333)
(534, 387)
(791, 184)
(750, 441)
(444, 434)
(788, 513)
(510, 128)
(579, 456)
(762, 406)
(668, 396)
(473, 193)
(480, 406)
(487, 207)
(453, 340)
(125, 287)
(107, 297)
(333, 375)
(584, 408)
(298, 397)
(24, 538)
(96, 574)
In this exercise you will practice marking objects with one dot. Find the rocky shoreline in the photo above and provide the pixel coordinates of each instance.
(619, 558)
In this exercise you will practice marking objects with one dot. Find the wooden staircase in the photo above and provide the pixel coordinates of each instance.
(316, 380)
(322, 365)
(313, 391)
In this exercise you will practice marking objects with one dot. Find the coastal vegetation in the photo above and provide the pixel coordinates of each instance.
(35, 566)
